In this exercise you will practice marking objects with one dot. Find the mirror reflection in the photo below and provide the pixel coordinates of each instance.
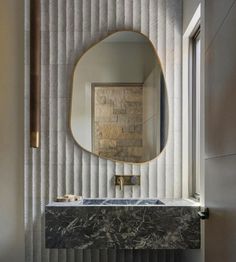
(119, 102)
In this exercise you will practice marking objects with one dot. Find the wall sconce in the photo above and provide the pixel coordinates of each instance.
(35, 72)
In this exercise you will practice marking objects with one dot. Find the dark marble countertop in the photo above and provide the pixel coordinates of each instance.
(172, 224)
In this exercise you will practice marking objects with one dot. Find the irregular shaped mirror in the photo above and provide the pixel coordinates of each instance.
(119, 105)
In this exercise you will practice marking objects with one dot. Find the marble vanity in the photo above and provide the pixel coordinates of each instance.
(123, 224)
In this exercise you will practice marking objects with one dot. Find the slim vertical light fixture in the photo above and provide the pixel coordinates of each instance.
(35, 72)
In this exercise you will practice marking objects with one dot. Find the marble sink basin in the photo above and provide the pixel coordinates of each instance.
(119, 202)
(122, 224)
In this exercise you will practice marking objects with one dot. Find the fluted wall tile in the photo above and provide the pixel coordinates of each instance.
(68, 28)
(120, 14)
(137, 15)
(28, 198)
(77, 171)
(127, 189)
(69, 168)
(110, 179)
(136, 189)
(103, 15)
(144, 181)
(45, 39)
(86, 174)
(153, 178)
(119, 170)
(111, 14)
(27, 15)
(145, 17)
(161, 178)
(177, 103)
(153, 22)
(61, 15)
(36, 210)
(170, 87)
(128, 14)
(61, 50)
(94, 176)
(27, 46)
(49, 10)
(28, 150)
(102, 178)
(53, 47)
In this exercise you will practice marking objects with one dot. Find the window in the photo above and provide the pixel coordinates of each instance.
(195, 87)
(192, 109)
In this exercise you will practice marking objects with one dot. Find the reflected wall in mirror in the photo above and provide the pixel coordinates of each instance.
(119, 105)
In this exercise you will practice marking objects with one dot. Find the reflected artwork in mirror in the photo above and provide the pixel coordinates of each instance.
(119, 107)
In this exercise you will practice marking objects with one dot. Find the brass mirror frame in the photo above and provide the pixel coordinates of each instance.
(35, 72)
(71, 93)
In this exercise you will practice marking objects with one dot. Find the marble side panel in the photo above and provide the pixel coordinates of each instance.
(122, 227)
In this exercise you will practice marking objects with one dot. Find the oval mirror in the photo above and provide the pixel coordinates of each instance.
(119, 105)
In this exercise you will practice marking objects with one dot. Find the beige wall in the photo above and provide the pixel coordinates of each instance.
(11, 130)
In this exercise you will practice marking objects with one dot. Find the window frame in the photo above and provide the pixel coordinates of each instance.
(188, 178)
(194, 109)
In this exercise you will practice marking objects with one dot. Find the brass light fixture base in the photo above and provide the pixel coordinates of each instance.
(34, 139)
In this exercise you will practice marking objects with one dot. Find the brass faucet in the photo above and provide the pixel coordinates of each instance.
(121, 182)
(126, 180)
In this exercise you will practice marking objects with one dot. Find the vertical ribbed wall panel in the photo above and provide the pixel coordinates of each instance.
(86, 174)
(68, 28)
(170, 87)
(119, 170)
(128, 14)
(111, 193)
(111, 15)
(161, 49)
(136, 189)
(137, 15)
(94, 176)
(127, 189)
(145, 17)
(103, 16)
(177, 102)
(102, 178)
(120, 14)
(144, 188)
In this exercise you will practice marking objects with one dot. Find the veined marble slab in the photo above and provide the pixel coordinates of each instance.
(175, 225)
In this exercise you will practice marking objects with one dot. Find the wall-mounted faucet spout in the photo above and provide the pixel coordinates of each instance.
(126, 180)
(121, 181)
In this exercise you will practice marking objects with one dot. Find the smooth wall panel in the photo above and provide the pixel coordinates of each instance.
(68, 28)
(220, 107)
(220, 198)
(218, 10)
(220, 90)
(189, 7)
